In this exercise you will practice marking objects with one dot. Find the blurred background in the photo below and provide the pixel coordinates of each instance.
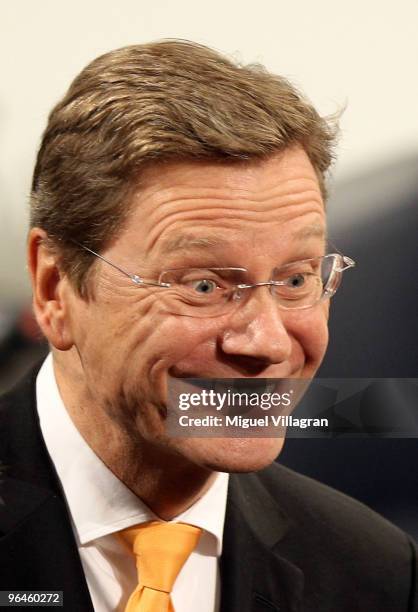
(358, 55)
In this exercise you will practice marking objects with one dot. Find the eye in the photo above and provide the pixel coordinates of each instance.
(204, 286)
(296, 281)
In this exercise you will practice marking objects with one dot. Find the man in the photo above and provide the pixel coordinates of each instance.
(164, 173)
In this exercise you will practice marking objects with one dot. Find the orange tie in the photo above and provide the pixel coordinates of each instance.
(161, 549)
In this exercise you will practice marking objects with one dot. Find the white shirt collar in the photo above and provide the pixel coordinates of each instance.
(100, 503)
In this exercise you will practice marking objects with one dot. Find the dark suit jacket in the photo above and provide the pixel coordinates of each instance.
(290, 543)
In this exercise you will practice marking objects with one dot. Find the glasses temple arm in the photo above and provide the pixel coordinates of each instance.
(133, 277)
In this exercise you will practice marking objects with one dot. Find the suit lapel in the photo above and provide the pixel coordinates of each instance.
(254, 577)
(45, 536)
(33, 513)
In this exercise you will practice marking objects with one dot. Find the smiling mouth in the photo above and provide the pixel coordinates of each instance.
(295, 373)
(241, 384)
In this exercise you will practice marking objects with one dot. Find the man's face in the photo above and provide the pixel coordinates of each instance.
(258, 216)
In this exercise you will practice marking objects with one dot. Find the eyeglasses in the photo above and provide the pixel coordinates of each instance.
(208, 292)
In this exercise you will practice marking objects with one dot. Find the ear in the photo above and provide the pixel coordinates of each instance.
(50, 291)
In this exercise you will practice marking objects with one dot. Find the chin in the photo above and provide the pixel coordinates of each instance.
(240, 455)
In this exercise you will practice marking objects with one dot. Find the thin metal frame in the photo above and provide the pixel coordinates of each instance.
(139, 281)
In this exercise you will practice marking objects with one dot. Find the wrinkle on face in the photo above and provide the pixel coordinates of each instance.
(233, 193)
(233, 217)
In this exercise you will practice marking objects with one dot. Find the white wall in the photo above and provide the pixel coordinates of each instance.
(363, 53)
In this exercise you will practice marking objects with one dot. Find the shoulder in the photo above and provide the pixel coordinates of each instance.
(313, 505)
(23, 455)
(338, 542)
(17, 413)
(20, 395)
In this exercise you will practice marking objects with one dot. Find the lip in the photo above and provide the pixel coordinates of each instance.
(294, 373)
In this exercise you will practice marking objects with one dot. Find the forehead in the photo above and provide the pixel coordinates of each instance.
(200, 205)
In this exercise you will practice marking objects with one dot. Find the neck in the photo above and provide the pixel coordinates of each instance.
(165, 481)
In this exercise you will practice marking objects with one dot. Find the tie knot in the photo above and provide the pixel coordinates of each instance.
(161, 549)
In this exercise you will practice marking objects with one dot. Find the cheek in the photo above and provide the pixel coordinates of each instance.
(189, 346)
(163, 341)
(187, 336)
(116, 337)
(180, 345)
(310, 330)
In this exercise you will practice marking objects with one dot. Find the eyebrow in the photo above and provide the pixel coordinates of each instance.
(310, 231)
(188, 241)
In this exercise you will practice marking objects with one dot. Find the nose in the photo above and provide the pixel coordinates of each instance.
(256, 331)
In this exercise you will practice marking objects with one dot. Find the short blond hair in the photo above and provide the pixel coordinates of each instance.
(143, 104)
